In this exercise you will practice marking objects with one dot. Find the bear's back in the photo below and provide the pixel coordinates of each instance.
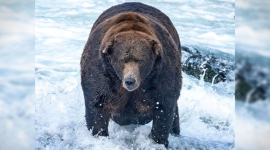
(140, 8)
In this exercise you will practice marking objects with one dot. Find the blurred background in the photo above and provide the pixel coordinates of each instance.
(17, 84)
(252, 47)
(252, 68)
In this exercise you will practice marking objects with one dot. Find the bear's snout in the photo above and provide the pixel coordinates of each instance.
(130, 82)
(131, 76)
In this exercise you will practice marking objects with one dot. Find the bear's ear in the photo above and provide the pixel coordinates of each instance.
(107, 47)
(157, 48)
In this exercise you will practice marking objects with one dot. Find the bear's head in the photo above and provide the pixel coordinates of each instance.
(132, 56)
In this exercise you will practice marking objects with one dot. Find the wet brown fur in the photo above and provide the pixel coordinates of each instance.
(156, 97)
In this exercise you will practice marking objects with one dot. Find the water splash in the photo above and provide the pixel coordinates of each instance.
(202, 77)
(249, 96)
(213, 80)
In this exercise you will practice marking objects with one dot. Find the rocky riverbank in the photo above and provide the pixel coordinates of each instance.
(212, 68)
(251, 80)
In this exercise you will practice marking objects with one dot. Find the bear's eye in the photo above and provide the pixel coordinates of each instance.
(123, 61)
(139, 61)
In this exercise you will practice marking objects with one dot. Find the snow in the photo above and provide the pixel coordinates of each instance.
(206, 112)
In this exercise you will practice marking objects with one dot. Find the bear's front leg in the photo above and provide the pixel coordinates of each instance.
(162, 122)
(175, 130)
(97, 120)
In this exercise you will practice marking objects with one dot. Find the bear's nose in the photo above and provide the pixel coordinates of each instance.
(129, 82)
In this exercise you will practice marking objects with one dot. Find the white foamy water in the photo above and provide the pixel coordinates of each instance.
(62, 28)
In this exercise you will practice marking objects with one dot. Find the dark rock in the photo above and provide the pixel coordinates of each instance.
(186, 49)
(242, 88)
(194, 63)
(251, 82)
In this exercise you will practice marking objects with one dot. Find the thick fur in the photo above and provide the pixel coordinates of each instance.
(143, 27)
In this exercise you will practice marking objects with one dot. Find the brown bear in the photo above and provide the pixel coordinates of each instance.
(131, 71)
